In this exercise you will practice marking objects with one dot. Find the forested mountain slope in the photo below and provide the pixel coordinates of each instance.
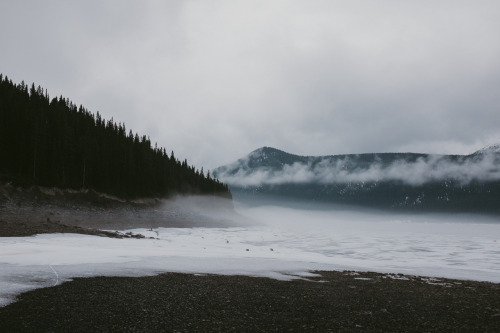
(52, 142)
(459, 183)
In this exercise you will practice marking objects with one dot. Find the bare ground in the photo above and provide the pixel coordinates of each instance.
(332, 302)
(35, 210)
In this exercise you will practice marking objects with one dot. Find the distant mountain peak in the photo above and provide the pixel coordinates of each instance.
(261, 158)
(267, 156)
(266, 152)
(381, 180)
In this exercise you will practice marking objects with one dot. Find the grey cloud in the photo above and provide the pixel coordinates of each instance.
(211, 80)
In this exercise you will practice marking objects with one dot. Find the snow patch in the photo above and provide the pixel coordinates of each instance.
(446, 246)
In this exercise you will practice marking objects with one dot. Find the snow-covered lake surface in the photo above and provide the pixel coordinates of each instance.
(282, 244)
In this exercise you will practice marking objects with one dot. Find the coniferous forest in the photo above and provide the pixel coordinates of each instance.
(52, 142)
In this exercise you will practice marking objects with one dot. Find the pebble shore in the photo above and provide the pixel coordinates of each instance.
(330, 302)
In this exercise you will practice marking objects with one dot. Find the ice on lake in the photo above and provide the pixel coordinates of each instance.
(283, 243)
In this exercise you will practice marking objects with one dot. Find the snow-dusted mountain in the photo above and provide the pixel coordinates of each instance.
(384, 180)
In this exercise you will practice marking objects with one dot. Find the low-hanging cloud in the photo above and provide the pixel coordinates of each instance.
(462, 169)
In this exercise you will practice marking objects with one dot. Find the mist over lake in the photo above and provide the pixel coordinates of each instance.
(270, 241)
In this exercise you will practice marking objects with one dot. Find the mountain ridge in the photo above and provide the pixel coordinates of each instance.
(383, 180)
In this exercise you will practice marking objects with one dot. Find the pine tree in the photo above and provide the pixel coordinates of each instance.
(55, 143)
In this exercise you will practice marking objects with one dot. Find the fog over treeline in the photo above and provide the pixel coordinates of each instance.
(409, 169)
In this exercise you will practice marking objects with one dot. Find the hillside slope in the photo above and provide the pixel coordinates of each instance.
(410, 181)
(52, 142)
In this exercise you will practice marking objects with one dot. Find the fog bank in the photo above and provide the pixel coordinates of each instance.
(485, 167)
(282, 243)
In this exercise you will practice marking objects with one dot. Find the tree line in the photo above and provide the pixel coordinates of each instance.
(52, 142)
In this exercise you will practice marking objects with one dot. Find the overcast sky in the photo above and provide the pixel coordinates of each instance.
(214, 80)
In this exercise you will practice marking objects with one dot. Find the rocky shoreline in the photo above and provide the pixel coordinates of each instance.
(35, 210)
(330, 302)
(31, 228)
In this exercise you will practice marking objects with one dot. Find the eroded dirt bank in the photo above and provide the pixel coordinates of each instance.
(25, 212)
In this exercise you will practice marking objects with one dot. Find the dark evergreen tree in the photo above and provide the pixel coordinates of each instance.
(55, 143)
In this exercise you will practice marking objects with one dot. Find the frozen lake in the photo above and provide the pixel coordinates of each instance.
(283, 243)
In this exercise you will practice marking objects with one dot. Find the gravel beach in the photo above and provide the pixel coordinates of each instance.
(331, 302)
